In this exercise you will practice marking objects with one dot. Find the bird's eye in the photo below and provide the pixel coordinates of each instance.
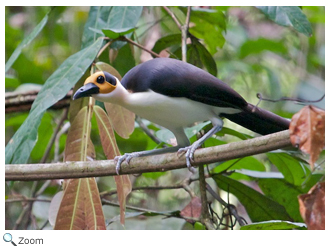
(100, 79)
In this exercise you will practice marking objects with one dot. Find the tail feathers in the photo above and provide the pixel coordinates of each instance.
(259, 120)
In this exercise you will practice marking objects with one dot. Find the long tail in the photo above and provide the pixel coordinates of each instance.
(259, 120)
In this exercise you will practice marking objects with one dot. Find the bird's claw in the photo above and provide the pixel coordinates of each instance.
(190, 150)
(120, 159)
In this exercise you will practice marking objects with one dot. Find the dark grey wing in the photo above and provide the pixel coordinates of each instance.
(175, 78)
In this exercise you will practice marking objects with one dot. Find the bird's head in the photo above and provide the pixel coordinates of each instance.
(99, 85)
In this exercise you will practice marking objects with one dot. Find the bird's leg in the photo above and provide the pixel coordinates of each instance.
(127, 157)
(190, 150)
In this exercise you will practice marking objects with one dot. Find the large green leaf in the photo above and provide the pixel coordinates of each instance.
(294, 171)
(56, 87)
(284, 193)
(98, 18)
(117, 17)
(288, 16)
(27, 40)
(167, 41)
(258, 206)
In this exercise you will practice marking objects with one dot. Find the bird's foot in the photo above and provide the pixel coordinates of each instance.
(126, 157)
(190, 150)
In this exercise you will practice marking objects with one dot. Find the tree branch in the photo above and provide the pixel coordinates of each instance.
(164, 162)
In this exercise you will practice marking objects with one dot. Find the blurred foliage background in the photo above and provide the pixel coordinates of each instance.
(251, 53)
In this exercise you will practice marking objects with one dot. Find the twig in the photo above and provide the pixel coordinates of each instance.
(123, 38)
(183, 28)
(154, 163)
(205, 215)
(298, 100)
(184, 35)
(177, 22)
(230, 207)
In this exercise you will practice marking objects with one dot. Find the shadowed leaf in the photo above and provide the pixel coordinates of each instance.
(258, 206)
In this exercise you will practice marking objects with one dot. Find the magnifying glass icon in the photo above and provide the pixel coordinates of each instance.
(8, 238)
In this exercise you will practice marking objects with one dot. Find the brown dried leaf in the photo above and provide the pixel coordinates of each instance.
(121, 119)
(307, 130)
(312, 207)
(81, 207)
(78, 146)
(193, 209)
(111, 150)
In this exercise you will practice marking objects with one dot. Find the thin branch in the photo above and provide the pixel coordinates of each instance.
(183, 28)
(123, 38)
(184, 35)
(230, 207)
(205, 215)
(177, 22)
(154, 163)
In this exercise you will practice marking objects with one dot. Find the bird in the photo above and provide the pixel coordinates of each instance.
(175, 95)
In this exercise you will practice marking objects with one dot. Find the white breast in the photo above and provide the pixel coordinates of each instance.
(171, 112)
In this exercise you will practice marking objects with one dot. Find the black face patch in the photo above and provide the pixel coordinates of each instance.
(110, 78)
(100, 79)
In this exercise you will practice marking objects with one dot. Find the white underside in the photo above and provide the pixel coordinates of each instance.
(173, 113)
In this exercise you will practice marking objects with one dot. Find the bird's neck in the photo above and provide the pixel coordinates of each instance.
(117, 96)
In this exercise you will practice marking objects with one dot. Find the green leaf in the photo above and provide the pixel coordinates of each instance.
(291, 16)
(26, 41)
(229, 131)
(258, 206)
(97, 19)
(209, 25)
(294, 171)
(284, 193)
(166, 42)
(55, 88)
(274, 225)
(199, 56)
(260, 45)
(106, 17)
(249, 163)
(114, 33)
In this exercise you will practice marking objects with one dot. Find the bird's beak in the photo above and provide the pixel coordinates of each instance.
(86, 91)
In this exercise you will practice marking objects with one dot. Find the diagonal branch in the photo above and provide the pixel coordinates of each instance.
(153, 163)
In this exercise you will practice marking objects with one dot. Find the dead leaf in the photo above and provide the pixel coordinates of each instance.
(307, 130)
(80, 207)
(312, 207)
(192, 210)
(122, 120)
(111, 150)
